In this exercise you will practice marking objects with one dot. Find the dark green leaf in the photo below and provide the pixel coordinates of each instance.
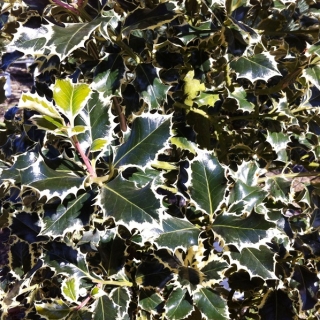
(277, 306)
(51, 183)
(260, 66)
(149, 19)
(147, 138)
(177, 307)
(112, 252)
(109, 74)
(308, 286)
(177, 233)
(121, 297)
(208, 182)
(149, 85)
(211, 305)
(135, 208)
(64, 259)
(20, 258)
(153, 273)
(243, 232)
(105, 309)
(72, 215)
(64, 40)
(258, 262)
(149, 300)
(26, 226)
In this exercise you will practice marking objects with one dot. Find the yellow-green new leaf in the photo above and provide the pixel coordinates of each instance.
(70, 98)
(36, 103)
(70, 289)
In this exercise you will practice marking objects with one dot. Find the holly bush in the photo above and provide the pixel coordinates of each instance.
(165, 163)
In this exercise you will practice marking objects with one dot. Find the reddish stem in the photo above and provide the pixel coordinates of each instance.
(84, 157)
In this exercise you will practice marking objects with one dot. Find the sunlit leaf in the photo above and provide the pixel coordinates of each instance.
(261, 66)
(70, 98)
(257, 261)
(51, 183)
(147, 137)
(70, 289)
(53, 311)
(177, 233)
(64, 40)
(177, 307)
(133, 207)
(70, 216)
(208, 182)
(239, 94)
(279, 141)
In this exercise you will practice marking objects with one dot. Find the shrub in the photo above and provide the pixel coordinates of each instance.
(165, 164)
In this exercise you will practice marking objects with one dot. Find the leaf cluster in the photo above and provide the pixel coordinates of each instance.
(165, 163)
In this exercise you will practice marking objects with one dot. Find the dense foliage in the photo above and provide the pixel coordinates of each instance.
(165, 163)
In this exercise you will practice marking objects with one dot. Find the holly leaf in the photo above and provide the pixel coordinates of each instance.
(149, 18)
(70, 98)
(251, 196)
(261, 66)
(243, 232)
(133, 207)
(149, 300)
(277, 306)
(278, 142)
(308, 286)
(26, 226)
(112, 252)
(70, 289)
(66, 260)
(177, 233)
(109, 73)
(105, 309)
(20, 258)
(278, 188)
(148, 84)
(49, 182)
(240, 95)
(121, 297)
(184, 144)
(32, 101)
(64, 40)
(70, 215)
(147, 138)
(96, 116)
(213, 271)
(31, 40)
(208, 182)
(211, 305)
(312, 74)
(177, 307)
(192, 87)
(257, 261)
(52, 311)
(153, 274)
